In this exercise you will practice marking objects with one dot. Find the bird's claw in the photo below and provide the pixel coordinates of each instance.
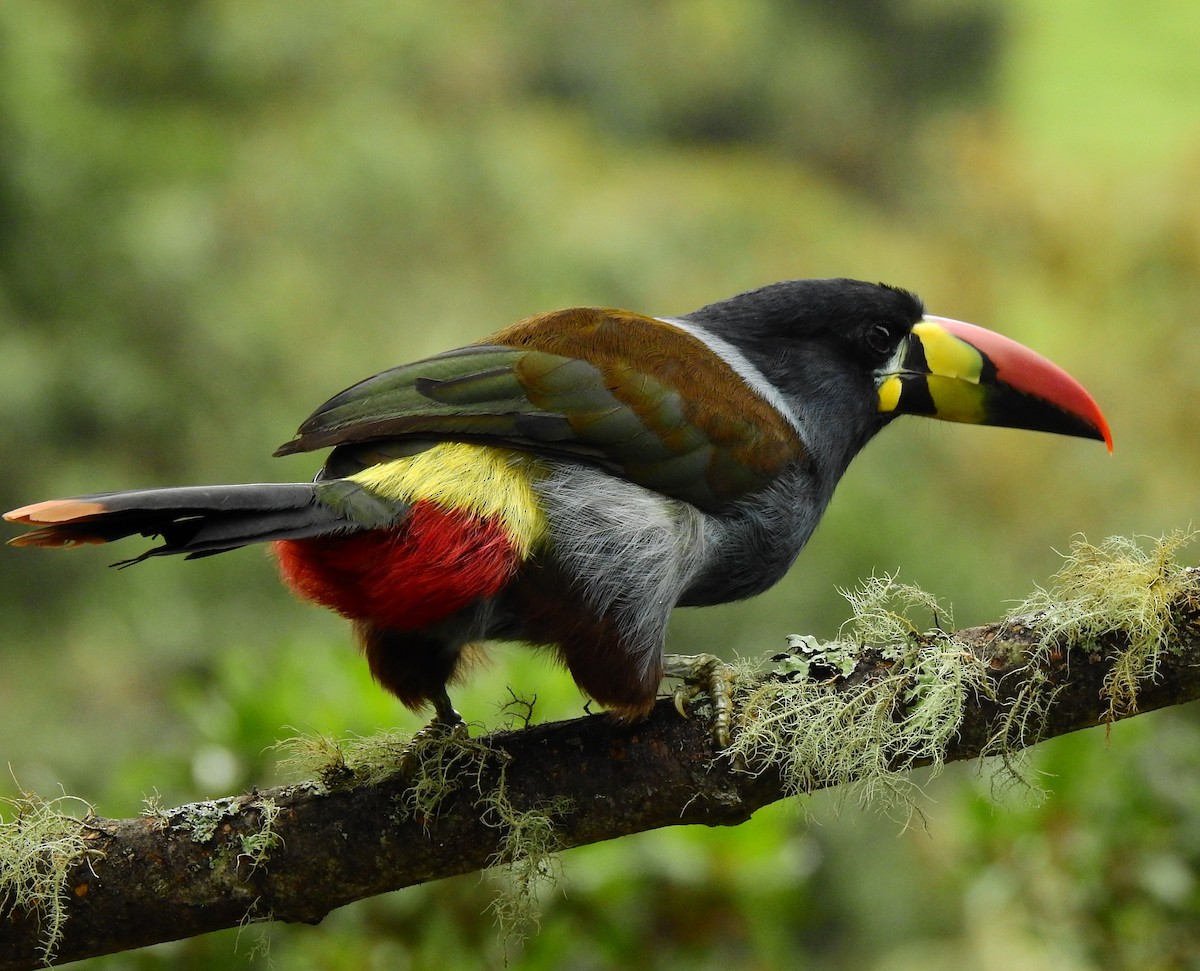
(446, 721)
(703, 673)
(438, 730)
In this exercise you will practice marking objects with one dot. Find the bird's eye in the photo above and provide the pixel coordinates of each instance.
(879, 339)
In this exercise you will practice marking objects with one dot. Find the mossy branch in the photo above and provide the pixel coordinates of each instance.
(1116, 631)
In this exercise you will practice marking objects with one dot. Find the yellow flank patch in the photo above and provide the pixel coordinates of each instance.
(946, 355)
(486, 481)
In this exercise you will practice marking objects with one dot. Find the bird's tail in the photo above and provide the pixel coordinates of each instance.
(192, 520)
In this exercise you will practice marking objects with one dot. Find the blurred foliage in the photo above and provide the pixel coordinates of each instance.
(214, 214)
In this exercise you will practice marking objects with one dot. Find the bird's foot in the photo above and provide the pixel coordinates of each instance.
(438, 728)
(446, 721)
(432, 745)
(708, 674)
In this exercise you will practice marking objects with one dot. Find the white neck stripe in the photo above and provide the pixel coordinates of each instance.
(741, 366)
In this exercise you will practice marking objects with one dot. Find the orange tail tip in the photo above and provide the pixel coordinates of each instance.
(54, 511)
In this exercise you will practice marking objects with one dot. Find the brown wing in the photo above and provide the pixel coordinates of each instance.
(639, 397)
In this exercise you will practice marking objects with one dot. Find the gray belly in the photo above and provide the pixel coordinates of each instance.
(751, 547)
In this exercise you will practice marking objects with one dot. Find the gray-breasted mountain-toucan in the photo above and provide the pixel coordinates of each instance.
(569, 480)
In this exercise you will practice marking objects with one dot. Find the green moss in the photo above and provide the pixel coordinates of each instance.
(808, 658)
(39, 845)
(1121, 586)
(313, 754)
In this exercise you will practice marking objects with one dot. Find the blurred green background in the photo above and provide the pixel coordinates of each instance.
(215, 213)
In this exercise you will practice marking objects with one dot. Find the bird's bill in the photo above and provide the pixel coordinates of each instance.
(959, 372)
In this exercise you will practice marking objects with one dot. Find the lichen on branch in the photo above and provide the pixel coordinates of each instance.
(1114, 631)
(861, 711)
(40, 844)
(1123, 586)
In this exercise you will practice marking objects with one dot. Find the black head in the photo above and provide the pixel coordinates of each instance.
(849, 356)
(863, 322)
(820, 342)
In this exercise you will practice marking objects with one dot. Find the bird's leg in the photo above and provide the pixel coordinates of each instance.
(703, 672)
(445, 728)
(445, 715)
(415, 667)
(445, 721)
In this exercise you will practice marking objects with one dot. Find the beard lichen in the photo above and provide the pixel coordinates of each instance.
(40, 843)
(438, 763)
(335, 762)
(819, 721)
(887, 695)
(1119, 587)
(1021, 724)
(527, 861)
(257, 847)
(882, 611)
(817, 727)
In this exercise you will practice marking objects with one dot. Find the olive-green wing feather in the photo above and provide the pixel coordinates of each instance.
(645, 403)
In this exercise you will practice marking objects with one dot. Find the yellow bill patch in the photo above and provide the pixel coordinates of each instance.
(946, 355)
(486, 481)
(957, 400)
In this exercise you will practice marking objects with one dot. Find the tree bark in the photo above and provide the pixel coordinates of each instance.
(195, 869)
